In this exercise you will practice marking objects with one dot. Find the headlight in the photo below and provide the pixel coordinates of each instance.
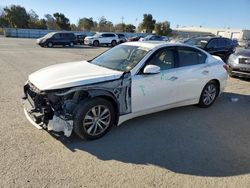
(233, 59)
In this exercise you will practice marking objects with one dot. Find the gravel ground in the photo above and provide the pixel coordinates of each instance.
(182, 147)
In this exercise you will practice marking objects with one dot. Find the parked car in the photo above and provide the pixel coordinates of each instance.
(218, 46)
(57, 38)
(122, 38)
(239, 63)
(102, 38)
(129, 80)
(80, 38)
(132, 39)
(154, 38)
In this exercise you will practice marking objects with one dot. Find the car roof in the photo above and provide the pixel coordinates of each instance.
(210, 37)
(155, 44)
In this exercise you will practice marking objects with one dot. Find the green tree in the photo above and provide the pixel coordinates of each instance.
(105, 25)
(86, 24)
(148, 23)
(3, 20)
(130, 28)
(34, 21)
(121, 27)
(17, 16)
(51, 22)
(73, 27)
(62, 21)
(163, 28)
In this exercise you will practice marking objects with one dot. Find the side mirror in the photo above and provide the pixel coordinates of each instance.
(151, 69)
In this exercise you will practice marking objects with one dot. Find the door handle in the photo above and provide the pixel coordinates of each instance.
(173, 78)
(205, 72)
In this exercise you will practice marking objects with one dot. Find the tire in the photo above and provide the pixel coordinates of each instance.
(71, 44)
(90, 126)
(96, 43)
(50, 45)
(113, 43)
(211, 89)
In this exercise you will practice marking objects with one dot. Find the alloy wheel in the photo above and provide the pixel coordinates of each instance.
(97, 120)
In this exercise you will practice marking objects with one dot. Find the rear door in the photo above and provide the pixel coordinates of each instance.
(192, 73)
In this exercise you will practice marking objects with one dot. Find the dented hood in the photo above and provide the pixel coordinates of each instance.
(71, 74)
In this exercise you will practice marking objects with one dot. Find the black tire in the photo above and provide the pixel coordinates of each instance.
(113, 43)
(96, 43)
(50, 45)
(71, 44)
(84, 111)
(203, 103)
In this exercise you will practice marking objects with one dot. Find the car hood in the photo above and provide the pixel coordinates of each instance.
(243, 52)
(89, 37)
(72, 74)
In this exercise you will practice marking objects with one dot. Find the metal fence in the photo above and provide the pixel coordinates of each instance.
(37, 33)
(33, 33)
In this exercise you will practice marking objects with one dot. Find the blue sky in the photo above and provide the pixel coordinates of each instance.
(208, 13)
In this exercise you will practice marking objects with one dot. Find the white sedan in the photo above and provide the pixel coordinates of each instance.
(127, 81)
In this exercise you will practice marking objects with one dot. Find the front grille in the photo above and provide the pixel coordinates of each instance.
(244, 61)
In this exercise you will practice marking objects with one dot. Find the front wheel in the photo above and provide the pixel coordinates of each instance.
(113, 43)
(208, 94)
(93, 118)
(50, 44)
(96, 43)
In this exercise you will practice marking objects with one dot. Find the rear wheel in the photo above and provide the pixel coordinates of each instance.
(208, 94)
(96, 43)
(93, 118)
(71, 44)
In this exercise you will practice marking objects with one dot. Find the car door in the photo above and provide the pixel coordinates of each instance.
(104, 39)
(192, 73)
(56, 39)
(151, 91)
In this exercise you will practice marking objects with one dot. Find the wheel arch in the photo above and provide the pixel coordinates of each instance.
(217, 82)
(109, 97)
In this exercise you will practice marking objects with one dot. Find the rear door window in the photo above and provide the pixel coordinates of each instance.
(212, 43)
(190, 56)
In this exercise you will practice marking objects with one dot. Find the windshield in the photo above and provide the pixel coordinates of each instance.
(48, 35)
(96, 35)
(121, 58)
(199, 42)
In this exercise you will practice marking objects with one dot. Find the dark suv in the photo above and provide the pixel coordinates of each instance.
(57, 38)
(218, 46)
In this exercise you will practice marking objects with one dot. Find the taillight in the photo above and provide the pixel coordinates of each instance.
(226, 67)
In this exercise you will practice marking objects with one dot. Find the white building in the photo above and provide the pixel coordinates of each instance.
(241, 35)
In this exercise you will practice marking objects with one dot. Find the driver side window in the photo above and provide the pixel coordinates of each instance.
(164, 58)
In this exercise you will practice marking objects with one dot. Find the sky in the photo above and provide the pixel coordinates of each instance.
(207, 13)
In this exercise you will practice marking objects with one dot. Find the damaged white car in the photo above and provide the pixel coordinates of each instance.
(129, 80)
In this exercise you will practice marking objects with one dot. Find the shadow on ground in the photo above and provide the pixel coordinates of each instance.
(189, 140)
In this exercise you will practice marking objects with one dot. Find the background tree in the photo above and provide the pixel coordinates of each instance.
(34, 22)
(105, 25)
(148, 23)
(130, 28)
(3, 20)
(51, 22)
(163, 28)
(121, 27)
(62, 21)
(16, 16)
(73, 27)
(86, 24)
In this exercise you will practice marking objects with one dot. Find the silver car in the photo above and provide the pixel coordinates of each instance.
(239, 63)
